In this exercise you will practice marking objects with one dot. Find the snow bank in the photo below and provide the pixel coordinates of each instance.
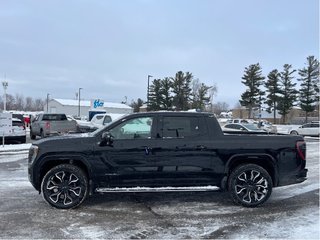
(7, 149)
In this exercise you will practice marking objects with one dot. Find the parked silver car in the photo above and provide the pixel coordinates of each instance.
(237, 127)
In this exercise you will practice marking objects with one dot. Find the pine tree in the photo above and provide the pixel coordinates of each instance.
(155, 98)
(287, 93)
(165, 91)
(181, 90)
(253, 79)
(273, 88)
(309, 88)
(200, 96)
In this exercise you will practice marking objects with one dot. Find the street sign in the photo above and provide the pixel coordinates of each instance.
(5, 124)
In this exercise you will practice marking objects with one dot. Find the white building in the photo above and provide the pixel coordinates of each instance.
(71, 107)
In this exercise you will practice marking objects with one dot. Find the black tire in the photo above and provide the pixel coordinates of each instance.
(23, 140)
(32, 136)
(65, 186)
(250, 185)
(294, 132)
(42, 134)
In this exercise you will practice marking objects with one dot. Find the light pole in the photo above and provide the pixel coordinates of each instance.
(79, 102)
(48, 102)
(5, 86)
(149, 76)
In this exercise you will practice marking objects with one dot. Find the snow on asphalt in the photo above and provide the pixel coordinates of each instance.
(301, 224)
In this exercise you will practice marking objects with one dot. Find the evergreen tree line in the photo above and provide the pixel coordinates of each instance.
(21, 103)
(179, 93)
(279, 92)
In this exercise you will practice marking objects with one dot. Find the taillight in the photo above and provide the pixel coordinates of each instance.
(301, 149)
(47, 125)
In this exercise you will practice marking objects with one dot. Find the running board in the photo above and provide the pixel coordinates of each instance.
(158, 189)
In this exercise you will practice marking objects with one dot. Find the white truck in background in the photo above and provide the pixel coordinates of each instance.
(97, 121)
(103, 119)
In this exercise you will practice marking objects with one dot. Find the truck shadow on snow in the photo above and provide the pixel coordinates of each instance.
(219, 198)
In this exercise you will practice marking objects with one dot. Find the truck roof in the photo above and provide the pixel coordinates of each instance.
(169, 113)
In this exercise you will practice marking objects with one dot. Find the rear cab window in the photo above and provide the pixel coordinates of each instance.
(54, 117)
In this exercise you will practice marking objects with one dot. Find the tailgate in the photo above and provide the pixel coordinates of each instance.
(62, 126)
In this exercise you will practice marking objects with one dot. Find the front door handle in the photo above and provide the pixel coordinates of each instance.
(183, 147)
(147, 150)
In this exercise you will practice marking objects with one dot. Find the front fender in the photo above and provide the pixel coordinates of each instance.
(49, 161)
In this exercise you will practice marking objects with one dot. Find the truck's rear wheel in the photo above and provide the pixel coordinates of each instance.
(32, 136)
(250, 185)
(65, 186)
(42, 134)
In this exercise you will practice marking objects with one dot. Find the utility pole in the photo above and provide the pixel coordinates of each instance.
(149, 76)
(79, 102)
(48, 102)
(5, 86)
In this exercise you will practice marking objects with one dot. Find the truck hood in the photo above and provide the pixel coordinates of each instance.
(70, 142)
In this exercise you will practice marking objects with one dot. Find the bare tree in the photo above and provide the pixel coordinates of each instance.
(220, 107)
(39, 104)
(29, 104)
(11, 104)
(19, 102)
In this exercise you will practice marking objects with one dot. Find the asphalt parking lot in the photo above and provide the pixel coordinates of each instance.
(291, 212)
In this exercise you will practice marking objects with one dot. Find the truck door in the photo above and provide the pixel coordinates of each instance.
(183, 158)
(128, 158)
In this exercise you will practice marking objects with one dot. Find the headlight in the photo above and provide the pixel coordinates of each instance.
(33, 152)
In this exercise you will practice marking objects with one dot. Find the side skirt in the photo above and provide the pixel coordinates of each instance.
(159, 189)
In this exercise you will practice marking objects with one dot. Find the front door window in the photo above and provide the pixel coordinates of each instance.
(137, 128)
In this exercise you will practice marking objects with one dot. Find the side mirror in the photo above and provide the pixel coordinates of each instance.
(107, 139)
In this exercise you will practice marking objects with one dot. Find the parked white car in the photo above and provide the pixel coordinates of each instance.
(18, 133)
(308, 129)
(240, 121)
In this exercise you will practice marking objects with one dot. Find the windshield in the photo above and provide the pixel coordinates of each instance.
(251, 127)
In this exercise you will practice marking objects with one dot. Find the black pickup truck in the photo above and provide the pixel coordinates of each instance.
(164, 151)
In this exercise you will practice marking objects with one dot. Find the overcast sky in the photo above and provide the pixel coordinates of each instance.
(109, 47)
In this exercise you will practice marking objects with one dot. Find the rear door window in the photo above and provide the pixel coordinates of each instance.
(181, 127)
(107, 119)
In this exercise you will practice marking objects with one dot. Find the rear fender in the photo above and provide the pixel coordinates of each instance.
(264, 160)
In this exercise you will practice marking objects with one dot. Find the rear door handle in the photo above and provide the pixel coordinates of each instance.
(201, 147)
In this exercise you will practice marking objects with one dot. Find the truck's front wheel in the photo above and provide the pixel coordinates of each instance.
(250, 185)
(65, 186)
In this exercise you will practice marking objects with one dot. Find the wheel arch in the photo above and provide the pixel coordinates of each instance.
(263, 160)
(51, 161)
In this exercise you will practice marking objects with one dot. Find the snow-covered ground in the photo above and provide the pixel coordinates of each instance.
(15, 147)
(292, 212)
